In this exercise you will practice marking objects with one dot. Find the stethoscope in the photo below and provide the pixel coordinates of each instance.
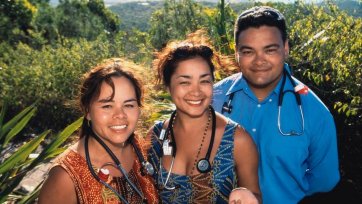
(203, 165)
(146, 167)
(227, 107)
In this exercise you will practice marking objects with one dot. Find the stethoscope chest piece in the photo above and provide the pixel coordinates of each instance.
(203, 166)
(148, 168)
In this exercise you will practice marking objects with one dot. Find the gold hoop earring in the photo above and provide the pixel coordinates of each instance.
(89, 123)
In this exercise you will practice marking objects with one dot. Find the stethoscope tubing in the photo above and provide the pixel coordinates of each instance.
(227, 106)
(89, 164)
(170, 129)
(168, 174)
(116, 161)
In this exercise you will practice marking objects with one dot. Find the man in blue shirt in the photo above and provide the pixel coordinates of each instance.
(297, 144)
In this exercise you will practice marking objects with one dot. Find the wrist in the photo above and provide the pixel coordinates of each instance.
(239, 188)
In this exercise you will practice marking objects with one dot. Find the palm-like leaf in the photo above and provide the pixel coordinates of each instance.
(12, 125)
(14, 168)
(19, 126)
(22, 153)
(53, 149)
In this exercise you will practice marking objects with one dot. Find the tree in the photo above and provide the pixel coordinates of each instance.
(15, 20)
(175, 20)
(85, 19)
(221, 27)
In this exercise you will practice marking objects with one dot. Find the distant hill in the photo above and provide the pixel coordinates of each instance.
(353, 8)
(137, 13)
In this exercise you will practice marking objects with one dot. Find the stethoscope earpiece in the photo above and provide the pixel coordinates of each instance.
(227, 107)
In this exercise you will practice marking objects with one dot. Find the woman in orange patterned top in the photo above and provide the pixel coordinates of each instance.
(107, 164)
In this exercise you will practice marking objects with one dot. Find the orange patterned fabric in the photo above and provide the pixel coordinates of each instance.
(89, 190)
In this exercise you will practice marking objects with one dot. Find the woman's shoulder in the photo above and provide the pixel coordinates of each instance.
(156, 129)
(57, 186)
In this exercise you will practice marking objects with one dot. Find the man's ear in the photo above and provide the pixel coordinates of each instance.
(237, 57)
(286, 48)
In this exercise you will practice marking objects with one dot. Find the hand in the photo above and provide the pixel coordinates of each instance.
(242, 196)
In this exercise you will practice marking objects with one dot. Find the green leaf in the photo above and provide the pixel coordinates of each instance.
(19, 126)
(22, 153)
(30, 198)
(2, 115)
(11, 123)
(60, 138)
(54, 153)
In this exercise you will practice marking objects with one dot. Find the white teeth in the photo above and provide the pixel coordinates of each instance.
(194, 102)
(119, 127)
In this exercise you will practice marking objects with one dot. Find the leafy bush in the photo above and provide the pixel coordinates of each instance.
(50, 75)
(327, 52)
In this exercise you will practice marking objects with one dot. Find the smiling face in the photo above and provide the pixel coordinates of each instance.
(191, 87)
(114, 119)
(261, 54)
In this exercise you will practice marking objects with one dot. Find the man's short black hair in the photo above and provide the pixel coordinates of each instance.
(260, 16)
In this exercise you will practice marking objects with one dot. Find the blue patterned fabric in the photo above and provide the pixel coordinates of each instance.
(223, 175)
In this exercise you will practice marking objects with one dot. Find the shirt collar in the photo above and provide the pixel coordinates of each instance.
(240, 83)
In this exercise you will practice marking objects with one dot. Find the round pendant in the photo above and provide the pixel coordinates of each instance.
(203, 165)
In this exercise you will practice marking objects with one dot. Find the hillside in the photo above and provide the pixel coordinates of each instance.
(136, 14)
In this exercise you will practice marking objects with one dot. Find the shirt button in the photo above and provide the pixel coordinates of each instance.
(270, 100)
(259, 105)
(254, 129)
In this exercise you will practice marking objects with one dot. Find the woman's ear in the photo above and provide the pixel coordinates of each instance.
(88, 116)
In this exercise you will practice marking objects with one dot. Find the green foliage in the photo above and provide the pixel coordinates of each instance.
(135, 45)
(175, 20)
(50, 75)
(15, 20)
(45, 23)
(109, 19)
(221, 27)
(15, 161)
(76, 20)
(327, 51)
(36, 23)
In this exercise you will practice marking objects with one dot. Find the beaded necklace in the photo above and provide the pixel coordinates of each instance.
(202, 141)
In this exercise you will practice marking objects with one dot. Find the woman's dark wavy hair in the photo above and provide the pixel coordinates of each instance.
(197, 44)
(92, 81)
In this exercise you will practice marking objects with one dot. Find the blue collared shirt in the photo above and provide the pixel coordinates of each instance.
(290, 167)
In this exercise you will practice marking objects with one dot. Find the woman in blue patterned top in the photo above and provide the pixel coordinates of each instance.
(200, 156)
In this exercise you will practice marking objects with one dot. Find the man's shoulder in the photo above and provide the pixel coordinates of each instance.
(228, 81)
(311, 100)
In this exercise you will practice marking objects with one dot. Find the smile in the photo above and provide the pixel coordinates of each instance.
(194, 102)
(118, 127)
